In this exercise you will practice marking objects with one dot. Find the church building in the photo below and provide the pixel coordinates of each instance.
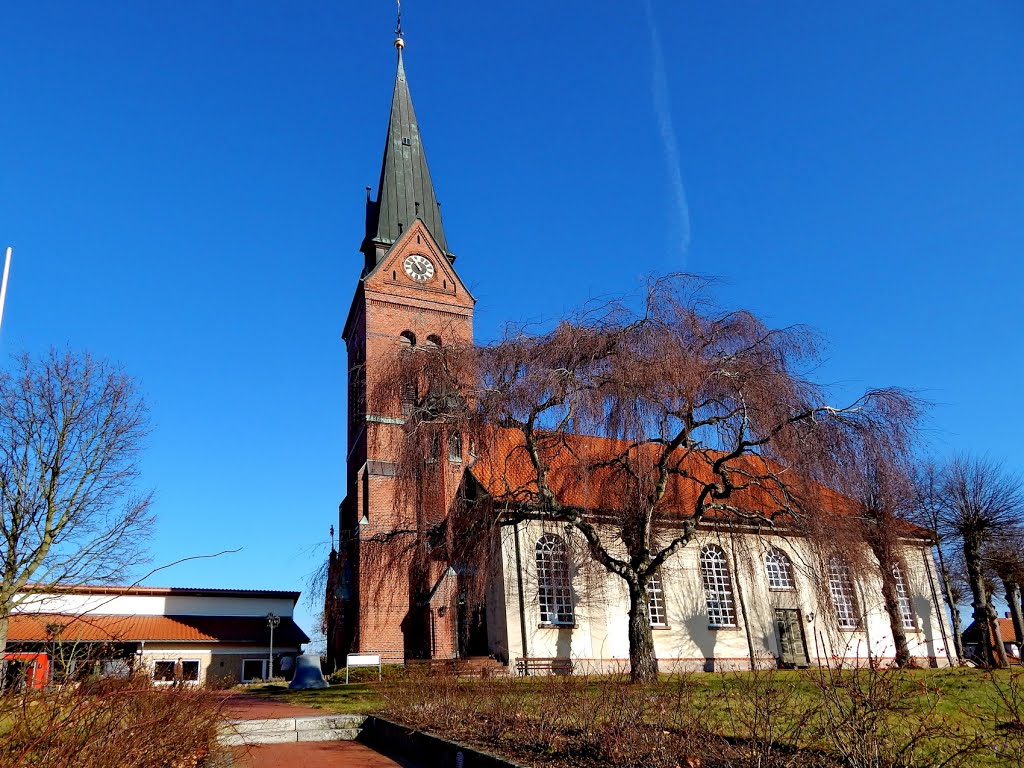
(726, 600)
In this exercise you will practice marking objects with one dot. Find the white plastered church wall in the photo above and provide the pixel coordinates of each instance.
(598, 641)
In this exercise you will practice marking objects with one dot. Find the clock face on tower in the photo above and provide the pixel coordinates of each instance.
(418, 268)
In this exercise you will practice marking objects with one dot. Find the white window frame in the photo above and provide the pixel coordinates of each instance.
(718, 592)
(656, 610)
(844, 594)
(554, 582)
(172, 662)
(263, 671)
(906, 608)
(779, 570)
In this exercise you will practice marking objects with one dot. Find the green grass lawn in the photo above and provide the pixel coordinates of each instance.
(357, 698)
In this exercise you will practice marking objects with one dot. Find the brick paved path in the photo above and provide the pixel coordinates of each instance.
(312, 754)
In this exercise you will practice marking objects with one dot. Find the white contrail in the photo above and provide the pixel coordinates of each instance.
(663, 110)
(3, 283)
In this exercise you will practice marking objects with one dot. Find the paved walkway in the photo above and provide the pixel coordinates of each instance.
(313, 754)
(310, 754)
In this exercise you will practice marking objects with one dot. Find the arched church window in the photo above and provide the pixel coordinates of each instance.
(714, 571)
(779, 569)
(553, 584)
(408, 339)
(656, 601)
(433, 340)
(903, 599)
(840, 585)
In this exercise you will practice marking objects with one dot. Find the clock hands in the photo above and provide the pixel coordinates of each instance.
(419, 268)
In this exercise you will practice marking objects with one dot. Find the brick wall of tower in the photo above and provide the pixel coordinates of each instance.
(388, 304)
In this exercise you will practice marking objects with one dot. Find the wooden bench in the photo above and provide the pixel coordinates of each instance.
(551, 666)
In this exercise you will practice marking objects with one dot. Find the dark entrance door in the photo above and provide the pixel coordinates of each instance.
(472, 629)
(792, 643)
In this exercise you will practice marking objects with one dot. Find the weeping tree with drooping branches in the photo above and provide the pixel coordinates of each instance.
(879, 479)
(630, 424)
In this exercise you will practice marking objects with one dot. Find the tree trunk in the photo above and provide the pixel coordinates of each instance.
(1021, 608)
(743, 604)
(1014, 601)
(892, 608)
(4, 625)
(982, 611)
(887, 563)
(643, 664)
(954, 612)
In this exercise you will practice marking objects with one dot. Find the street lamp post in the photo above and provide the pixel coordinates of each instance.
(273, 620)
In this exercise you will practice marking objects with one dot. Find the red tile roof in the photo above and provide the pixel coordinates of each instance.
(31, 627)
(505, 471)
(1006, 632)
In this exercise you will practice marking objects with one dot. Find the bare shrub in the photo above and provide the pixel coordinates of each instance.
(873, 717)
(1009, 743)
(769, 717)
(129, 723)
(854, 718)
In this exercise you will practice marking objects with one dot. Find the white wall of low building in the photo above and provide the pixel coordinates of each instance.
(218, 663)
(599, 640)
(155, 605)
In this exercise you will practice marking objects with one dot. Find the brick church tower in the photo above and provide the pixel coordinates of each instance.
(408, 295)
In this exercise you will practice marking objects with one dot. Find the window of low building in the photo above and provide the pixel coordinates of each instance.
(163, 670)
(253, 670)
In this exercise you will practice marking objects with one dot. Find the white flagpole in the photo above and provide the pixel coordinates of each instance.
(3, 283)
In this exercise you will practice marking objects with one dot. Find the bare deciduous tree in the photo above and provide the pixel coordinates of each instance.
(929, 511)
(882, 487)
(632, 429)
(1004, 556)
(70, 432)
(981, 504)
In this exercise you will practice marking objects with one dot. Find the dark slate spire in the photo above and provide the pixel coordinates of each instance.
(405, 192)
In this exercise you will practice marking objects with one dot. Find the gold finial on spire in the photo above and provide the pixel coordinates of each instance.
(399, 41)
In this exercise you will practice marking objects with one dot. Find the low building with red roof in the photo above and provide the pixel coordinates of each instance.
(973, 637)
(219, 635)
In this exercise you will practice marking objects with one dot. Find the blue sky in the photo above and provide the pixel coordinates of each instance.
(183, 184)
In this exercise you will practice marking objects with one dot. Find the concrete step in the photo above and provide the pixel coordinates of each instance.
(291, 729)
